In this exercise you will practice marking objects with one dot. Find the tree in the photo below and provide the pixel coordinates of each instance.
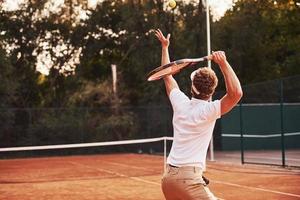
(116, 32)
(8, 81)
(261, 39)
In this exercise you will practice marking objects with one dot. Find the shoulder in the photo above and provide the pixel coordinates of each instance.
(176, 94)
(177, 97)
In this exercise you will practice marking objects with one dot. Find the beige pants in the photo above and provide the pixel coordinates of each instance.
(185, 183)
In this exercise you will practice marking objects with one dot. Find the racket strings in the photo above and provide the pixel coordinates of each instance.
(170, 70)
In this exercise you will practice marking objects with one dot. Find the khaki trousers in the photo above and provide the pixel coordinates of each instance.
(185, 183)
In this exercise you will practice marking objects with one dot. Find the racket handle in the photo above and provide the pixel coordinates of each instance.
(210, 57)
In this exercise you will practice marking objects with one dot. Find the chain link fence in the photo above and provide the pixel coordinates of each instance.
(265, 125)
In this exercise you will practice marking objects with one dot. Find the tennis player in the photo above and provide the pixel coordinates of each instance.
(193, 123)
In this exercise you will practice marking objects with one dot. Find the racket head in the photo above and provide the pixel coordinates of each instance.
(168, 69)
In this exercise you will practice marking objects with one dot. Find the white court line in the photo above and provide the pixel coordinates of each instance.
(261, 157)
(133, 167)
(214, 181)
(115, 173)
(121, 175)
(133, 178)
(256, 188)
(143, 168)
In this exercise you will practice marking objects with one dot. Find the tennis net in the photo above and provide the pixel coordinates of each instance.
(153, 146)
(131, 159)
(264, 148)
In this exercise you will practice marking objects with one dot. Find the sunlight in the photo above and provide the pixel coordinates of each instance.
(219, 7)
(45, 60)
(11, 5)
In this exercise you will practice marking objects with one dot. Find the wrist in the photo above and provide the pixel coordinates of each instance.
(223, 64)
(164, 47)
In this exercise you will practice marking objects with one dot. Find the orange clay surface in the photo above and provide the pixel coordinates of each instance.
(134, 177)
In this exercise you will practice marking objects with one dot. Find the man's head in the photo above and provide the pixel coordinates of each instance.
(204, 83)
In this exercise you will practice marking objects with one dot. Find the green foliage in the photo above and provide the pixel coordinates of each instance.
(8, 81)
(7, 94)
(261, 39)
(92, 95)
(118, 127)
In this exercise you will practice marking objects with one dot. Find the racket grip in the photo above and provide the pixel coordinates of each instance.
(209, 57)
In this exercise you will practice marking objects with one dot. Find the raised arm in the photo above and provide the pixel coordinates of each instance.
(170, 82)
(233, 87)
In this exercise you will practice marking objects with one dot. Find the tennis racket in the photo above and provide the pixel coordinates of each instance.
(174, 67)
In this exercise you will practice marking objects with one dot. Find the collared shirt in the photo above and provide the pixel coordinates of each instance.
(193, 124)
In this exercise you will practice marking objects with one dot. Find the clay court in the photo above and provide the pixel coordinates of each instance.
(134, 176)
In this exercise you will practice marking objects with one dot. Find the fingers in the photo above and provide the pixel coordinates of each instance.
(219, 57)
(218, 53)
(161, 36)
(159, 31)
(168, 36)
(158, 36)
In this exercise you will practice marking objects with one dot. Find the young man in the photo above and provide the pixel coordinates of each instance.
(193, 124)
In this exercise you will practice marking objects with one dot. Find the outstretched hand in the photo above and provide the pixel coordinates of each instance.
(165, 41)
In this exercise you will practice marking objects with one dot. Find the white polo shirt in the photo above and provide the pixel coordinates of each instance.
(193, 124)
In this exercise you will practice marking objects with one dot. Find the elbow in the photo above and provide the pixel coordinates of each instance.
(239, 94)
(236, 95)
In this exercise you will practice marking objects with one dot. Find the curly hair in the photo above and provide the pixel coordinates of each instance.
(205, 81)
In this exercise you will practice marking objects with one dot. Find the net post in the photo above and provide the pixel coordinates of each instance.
(242, 134)
(281, 124)
(211, 145)
(208, 33)
(165, 154)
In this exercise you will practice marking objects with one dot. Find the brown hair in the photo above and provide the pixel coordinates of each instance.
(205, 81)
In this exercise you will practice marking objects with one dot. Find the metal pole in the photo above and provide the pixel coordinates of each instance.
(211, 146)
(281, 124)
(242, 134)
(208, 32)
(114, 78)
(165, 154)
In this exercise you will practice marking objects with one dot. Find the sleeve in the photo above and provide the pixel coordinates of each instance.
(177, 98)
(212, 110)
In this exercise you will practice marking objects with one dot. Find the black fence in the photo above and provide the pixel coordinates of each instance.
(51, 126)
(265, 125)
